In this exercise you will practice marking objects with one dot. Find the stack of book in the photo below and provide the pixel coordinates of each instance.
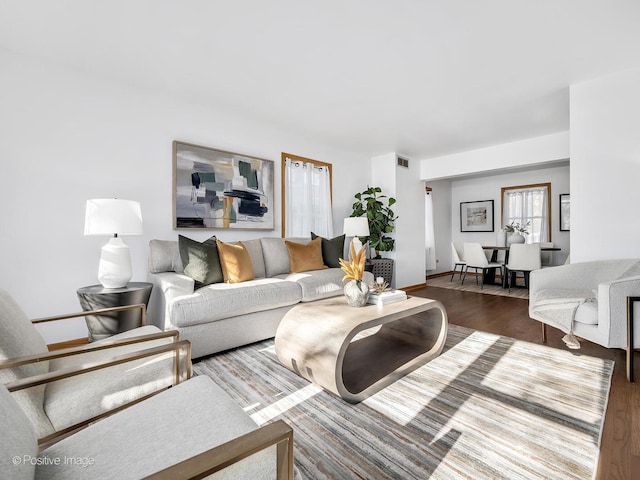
(384, 298)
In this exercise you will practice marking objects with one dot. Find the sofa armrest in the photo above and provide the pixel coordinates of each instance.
(167, 287)
(612, 307)
(220, 457)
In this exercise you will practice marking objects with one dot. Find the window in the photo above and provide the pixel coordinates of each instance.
(306, 197)
(529, 203)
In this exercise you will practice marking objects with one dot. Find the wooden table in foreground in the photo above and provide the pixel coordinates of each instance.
(356, 352)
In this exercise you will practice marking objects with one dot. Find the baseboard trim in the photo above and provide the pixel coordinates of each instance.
(410, 288)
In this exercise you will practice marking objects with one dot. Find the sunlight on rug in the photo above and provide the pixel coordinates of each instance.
(470, 286)
(488, 407)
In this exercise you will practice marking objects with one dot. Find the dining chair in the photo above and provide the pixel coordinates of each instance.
(546, 257)
(475, 257)
(457, 253)
(523, 258)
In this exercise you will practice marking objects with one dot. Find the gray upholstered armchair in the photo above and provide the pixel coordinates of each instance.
(587, 299)
(189, 431)
(63, 390)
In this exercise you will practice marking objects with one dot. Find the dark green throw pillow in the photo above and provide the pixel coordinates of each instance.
(332, 250)
(200, 260)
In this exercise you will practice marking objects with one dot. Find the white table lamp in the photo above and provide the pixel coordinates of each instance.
(356, 227)
(111, 216)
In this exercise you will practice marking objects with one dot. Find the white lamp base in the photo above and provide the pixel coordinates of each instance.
(357, 244)
(115, 264)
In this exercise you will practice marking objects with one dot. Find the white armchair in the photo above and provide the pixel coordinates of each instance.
(588, 299)
(63, 390)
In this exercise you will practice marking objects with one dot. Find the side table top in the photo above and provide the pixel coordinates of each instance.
(131, 287)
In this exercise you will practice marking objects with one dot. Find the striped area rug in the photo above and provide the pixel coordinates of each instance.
(489, 407)
(470, 286)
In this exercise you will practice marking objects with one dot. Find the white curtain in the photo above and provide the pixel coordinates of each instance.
(307, 199)
(528, 205)
(429, 237)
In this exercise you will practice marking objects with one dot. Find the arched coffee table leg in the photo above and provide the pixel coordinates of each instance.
(355, 352)
(372, 363)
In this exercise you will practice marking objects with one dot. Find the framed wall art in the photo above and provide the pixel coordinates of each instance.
(565, 212)
(476, 216)
(216, 189)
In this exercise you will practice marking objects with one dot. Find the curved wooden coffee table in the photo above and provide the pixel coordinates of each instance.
(355, 352)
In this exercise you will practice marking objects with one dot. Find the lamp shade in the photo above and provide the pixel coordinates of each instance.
(356, 227)
(112, 216)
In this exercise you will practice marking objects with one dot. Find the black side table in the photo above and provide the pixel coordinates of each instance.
(95, 297)
(381, 267)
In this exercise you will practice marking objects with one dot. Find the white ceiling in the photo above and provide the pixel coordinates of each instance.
(419, 77)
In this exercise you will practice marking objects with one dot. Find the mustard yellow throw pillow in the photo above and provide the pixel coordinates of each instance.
(305, 256)
(235, 262)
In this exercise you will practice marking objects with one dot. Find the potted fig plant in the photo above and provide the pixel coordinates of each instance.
(377, 208)
(372, 204)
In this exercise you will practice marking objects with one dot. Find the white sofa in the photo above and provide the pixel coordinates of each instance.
(590, 297)
(221, 316)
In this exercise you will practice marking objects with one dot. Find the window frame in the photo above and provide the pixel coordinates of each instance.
(547, 185)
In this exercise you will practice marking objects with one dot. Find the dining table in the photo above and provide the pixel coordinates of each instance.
(489, 277)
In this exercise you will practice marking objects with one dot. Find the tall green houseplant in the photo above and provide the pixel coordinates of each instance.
(371, 203)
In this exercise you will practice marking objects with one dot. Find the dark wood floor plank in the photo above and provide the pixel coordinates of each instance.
(620, 446)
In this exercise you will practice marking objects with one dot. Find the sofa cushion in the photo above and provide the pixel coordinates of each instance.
(587, 313)
(317, 284)
(164, 256)
(254, 248)
(200, 260)
(332, 250)
(236, 262)
(224, 300)
(276, 255)
(305, 256)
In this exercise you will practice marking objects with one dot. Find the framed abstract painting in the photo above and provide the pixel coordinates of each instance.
(476, 216)
(216, 189)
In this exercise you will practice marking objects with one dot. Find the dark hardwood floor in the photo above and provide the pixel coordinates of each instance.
(620, 447)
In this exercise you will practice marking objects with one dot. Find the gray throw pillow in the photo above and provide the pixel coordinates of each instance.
(201, 261)
(332, 250)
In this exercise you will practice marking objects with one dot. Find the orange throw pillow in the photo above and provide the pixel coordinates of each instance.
(305, 256)
(235, 262)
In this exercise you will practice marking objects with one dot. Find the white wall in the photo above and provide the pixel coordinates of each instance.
(441, 193)
(411, 259)
(480, 174)
(605, 167)
(524, 153)
(488, 188)
(66, 137)
(403, 184)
